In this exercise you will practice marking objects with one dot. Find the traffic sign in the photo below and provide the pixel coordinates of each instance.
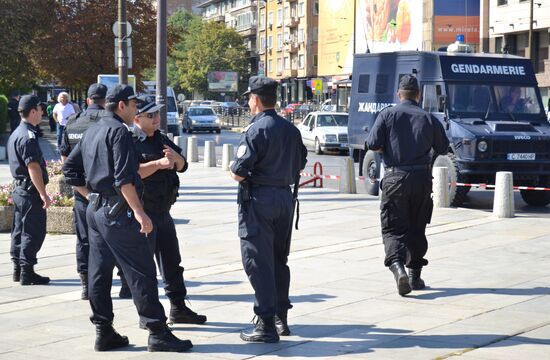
(128, 29)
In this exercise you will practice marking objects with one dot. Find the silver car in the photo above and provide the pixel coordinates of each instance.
(325, 131)
(201, 118)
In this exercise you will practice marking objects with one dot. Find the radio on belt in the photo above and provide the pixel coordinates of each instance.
(490, 105)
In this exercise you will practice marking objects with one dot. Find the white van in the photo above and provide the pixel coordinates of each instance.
(172, 115)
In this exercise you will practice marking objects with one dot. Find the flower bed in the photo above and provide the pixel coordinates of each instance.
(57, 182)
(6, 207)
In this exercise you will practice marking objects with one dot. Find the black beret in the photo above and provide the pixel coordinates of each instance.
(97, 91)
(408, 82)
(262, 86)
(28, 102)
(146, 104)
(120, 92)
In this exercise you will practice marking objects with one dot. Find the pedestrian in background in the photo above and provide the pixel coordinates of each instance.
(30, 199)
(49, 111)
(61, 112)
(405, 134)
(13, 111)
(269, 159)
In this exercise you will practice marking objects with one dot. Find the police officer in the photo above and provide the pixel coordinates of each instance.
(269, 159)
(160, 160)
(77, 124)
(13, 111)
(405, 135)
(103, 166)
(30, 199)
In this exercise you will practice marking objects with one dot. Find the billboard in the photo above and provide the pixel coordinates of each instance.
(223, 81)
(454, 17)
(389, 25)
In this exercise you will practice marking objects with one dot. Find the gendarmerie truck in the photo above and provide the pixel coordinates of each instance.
(490, 106)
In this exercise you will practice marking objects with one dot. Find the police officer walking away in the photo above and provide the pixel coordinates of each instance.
(77, 124)
(269, 159)
(160, 160)
(405, 135)
(13, 111)
(30, 199)
(103, 166)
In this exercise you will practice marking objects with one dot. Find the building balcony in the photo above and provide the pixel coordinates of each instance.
(253, 6)
(293, 72)
(252, 53)
(215, 18)
(247, 30)
(293, 22)
(292, 47)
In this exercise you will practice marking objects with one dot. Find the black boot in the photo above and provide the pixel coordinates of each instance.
(281, 323)
(401, 278)
(16, 272)
(84, 282)
(124, 292)
(264, 331)
(29, 277)
(106, 338)
(414, 279)
(181, 314)
(162, 339)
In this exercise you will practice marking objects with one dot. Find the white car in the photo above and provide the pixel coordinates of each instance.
(201, 118)
(325, 131)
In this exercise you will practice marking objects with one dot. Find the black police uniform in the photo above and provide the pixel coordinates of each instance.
(29, 223)
(106, 155)
(270, 156)
(406, 134)
(77, 124)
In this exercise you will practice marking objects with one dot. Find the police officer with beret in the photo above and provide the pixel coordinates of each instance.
(77, 124)
(405, 135)
(30, 199)
(103, 167)
(269, 159)
(160, 161)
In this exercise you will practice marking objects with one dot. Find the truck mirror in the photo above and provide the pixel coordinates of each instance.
(442, 103)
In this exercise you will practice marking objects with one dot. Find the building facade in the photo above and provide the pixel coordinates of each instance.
(505, 29)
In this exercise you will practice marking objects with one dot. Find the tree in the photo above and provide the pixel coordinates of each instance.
(23, 24)
(80, 43)
(208, 47)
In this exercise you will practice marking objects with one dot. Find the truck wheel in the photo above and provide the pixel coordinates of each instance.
(371, 168)
(457, 194)
(318, 150)
(537, 197)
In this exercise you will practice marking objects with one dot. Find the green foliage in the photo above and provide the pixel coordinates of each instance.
(3, 113)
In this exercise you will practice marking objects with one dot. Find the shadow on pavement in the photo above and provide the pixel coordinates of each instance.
(310, 298)
(447, 292)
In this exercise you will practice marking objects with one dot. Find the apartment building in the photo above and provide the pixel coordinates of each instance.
(505, 29)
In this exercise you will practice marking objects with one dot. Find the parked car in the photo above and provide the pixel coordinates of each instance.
(303, 110)
(230, 108)
(325, 131)
(201, 118)
(289, 109)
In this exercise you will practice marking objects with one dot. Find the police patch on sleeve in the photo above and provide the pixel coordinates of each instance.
(241, 151)
(31, 134)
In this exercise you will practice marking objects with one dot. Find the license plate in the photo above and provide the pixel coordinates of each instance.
(521, 156)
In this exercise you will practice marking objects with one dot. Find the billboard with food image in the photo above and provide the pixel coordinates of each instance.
(335, 41)
(389, 25)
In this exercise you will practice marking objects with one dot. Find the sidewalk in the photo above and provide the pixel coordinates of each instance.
(489, 296)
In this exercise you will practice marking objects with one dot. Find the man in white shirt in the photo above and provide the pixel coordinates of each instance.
(61, 112)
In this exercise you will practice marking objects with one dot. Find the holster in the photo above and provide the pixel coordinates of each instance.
(116, 204)
(95, 200)
(244, 192)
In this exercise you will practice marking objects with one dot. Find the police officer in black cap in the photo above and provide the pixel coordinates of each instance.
(405, 135)
(77, 124)
(30, 199)
(269, 159)
(103, 167)
(160, 161)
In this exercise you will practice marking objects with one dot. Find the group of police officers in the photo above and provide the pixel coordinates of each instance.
(125, 183)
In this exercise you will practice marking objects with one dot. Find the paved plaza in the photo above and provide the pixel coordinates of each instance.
(488, 295)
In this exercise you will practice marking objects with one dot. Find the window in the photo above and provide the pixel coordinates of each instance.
(430, 98)
(307, 121)
(381, 84)
(279, 65)
(262, 43)
(301, 9)
(262, 20)
(279, 17)
(315, 34)
(301, 61)
(316, 7)
(300, 35)
(287, 37)
(270, 42)
(502, 2)
(269, 65)
(279, 41)
(287, 63)
(270, 18)
(315, 60)
(364, 80)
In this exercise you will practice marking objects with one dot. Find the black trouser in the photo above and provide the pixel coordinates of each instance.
(29, 226)
(81, 226)
(406, 207)
(117, 239)
(265, 224)
(164, 242)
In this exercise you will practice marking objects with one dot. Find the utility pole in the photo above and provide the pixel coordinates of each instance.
(531, 50)
(161, 62)
(122, 44)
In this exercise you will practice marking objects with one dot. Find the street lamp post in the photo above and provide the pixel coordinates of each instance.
(122, 44)
(161, 62)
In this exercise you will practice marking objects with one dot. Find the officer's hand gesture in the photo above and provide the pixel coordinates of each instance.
(170, 153)
(46, 200)
(144, 221)
(165, 163)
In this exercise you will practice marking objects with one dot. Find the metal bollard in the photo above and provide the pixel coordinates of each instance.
(440, 187)
(209, 154)
(503, 204)
(181, 141)
(192, 150)
(227, 154)
(2, 153)
(347, 177)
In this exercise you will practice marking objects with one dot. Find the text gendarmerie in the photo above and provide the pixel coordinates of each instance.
(488, 69)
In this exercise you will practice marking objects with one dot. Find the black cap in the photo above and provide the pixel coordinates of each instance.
(120, 92)
(262, 85)
(146, 104)
(28, 102)
(97, 91)
(15, 93)
(409, 82)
